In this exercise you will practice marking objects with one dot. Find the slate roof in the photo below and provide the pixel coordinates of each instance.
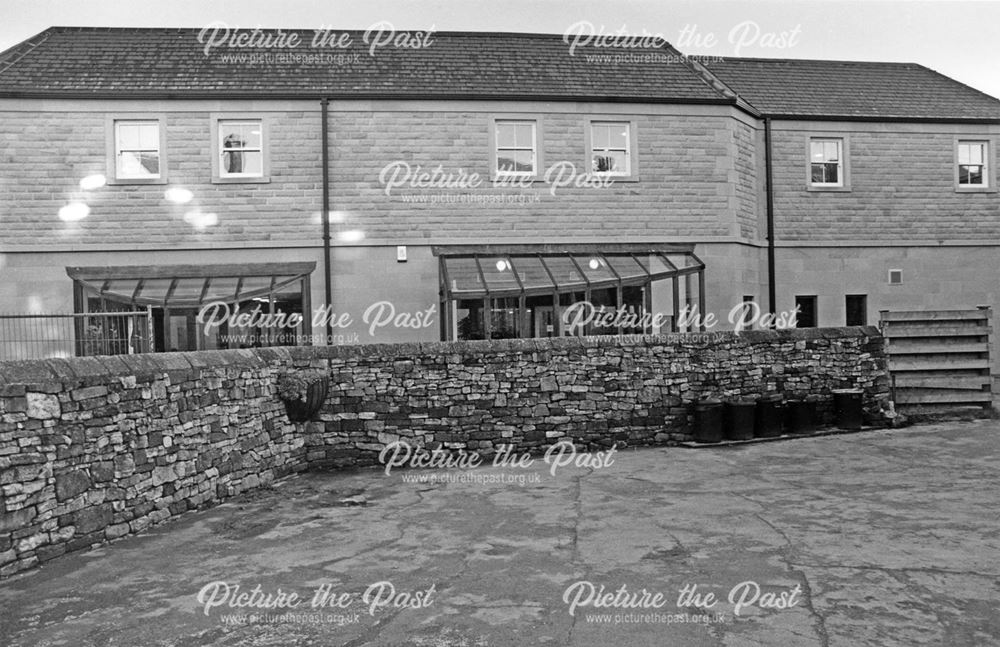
(169, 62)
(852, 90)
(84, 61)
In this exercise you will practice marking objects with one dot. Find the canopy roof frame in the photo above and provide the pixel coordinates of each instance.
(610, 254)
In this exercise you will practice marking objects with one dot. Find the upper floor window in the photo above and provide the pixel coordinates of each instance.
(241, 153)
(610, 147)
(826, 162)
(137, 150)
(973, 166)
(241, 148)
(516, 147)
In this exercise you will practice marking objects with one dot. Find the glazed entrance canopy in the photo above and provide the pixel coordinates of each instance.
(189, 285)
(532, 270)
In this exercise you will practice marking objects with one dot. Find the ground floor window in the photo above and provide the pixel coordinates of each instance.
(856, 307)
(806, 311)
(493, 292)
(182, 308)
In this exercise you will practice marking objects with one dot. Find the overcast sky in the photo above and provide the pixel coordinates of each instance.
(958, 38)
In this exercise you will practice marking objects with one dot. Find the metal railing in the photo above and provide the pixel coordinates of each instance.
(40, 336)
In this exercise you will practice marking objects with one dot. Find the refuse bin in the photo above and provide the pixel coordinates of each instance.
(708, 421)
(847, 408)
(738, 419)
(800, 416)
(767, 421)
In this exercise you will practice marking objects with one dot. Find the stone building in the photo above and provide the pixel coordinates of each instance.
(253, 187)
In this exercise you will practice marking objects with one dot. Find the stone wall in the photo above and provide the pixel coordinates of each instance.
(92, 449)
(595, 391)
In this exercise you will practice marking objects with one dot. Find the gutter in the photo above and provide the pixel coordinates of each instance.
(360, 96)
(769, 194)
(324, 106)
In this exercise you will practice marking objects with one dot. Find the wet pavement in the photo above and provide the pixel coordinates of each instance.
(875, 539)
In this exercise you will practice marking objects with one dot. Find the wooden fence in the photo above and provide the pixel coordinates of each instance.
(939, 358)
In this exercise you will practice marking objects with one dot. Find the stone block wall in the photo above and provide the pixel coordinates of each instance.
(92, 449)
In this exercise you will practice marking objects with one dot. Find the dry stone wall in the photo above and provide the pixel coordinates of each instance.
(93, 449)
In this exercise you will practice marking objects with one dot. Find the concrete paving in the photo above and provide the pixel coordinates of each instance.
(875, 539)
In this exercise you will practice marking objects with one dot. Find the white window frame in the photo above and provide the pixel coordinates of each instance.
(631, 154)
(987, 184)
(219, 174)
(112, 125)
(495, 170)
(841, 182)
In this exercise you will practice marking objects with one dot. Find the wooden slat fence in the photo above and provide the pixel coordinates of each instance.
(939, 358)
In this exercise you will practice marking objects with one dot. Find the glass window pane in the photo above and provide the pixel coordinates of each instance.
(610, 162)
(525, 136)
(506, 163)
(595, 268)
(469, 319)
(964, 153)
(626, 267)
(128, 137)
(976, 154)
(138, 164)
(618, 136)
(817, 151)
(817, 173)
(233, 161)
(564, 272)
(255, 285)
(149, 137)
(155, 290)
(188, 291)
(463, 275)
(498, 272)
(252, 135)
(222, 289)
(832, 173)
(524, 161)
(531, 272)
(505, 318)
(599, 132)
(253, 163)
(505, 135)
(831, 151)
(232, 140)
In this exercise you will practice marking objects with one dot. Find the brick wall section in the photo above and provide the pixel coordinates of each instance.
(902, 188)
(92, 449)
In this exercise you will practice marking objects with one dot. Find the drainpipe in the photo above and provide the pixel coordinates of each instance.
(769, 193)
(328, 278)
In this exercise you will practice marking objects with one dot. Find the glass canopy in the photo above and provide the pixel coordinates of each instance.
(524, 271)
(493, 291)
(188, 286)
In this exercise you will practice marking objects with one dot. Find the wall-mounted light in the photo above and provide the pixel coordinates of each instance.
(502, 265)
